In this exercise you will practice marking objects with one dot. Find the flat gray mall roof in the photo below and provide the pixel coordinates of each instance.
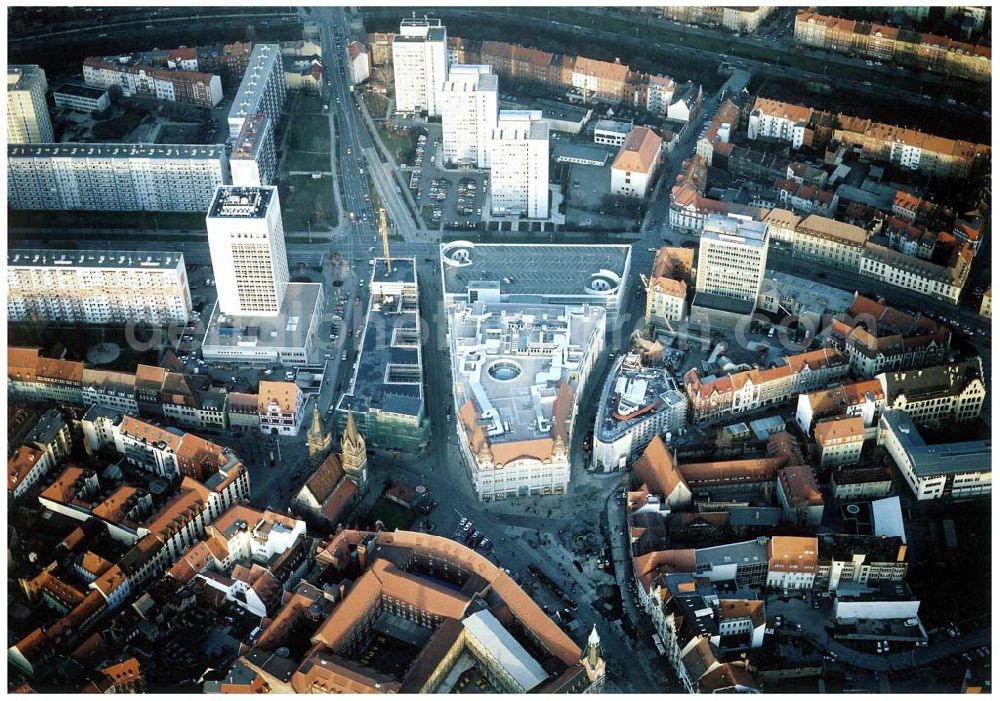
(536, 269)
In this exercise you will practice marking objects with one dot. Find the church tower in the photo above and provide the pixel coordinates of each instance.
(353, 457)
(593, 663)
(319, 439)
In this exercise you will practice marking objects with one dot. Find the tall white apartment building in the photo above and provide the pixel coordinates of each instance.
(253, 162)
(262, 89)
(519, 164)
(468, 115)
(247, 242)
(732, 256)
(123, 177)
(28, 120)
(97, 287)
(420, 65)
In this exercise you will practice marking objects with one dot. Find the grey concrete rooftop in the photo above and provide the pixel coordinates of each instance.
(543, 272)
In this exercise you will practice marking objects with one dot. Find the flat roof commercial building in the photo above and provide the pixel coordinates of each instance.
(81, 98)
(288, 337)
(28, 120)
(610, 132)
(950, 470)
(801, 298)
(386, 388)
(118, 177)
(519, 165)
(732, 256)
(519, 370)
(97, 287)
(561, 274)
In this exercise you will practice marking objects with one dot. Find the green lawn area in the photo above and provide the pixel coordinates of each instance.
(117, 128)
(400, 144)
(106, 220)
(307, 104)
(307, 161)
(308, 202)
(309, 132)
(376, 104)
(426, 213)
(391, 514)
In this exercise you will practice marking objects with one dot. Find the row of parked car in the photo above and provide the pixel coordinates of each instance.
(473, 538)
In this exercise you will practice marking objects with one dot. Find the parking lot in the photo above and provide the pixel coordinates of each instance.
(444, 196)
(470, 536)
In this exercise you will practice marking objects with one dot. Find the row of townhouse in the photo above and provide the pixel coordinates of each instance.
(780, 562)
(696, 627)
(742, 20)
(716, 397)
(151, 391)
(45, 446)
(877, 337)
(610, 81)
(806, 198)
(928, 52)
(800, 125)
(134, 77)
(829, 242)
(932, 396)
(155, 544)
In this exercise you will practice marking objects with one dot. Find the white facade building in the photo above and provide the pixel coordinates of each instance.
(247, 242)
(779, 120)
(610, 132)
(519, 165)
(956, 470)
(420, 65)
(81, 98)
(28, 120)
(635, 165)
(732, 256)
(360, 62)
(659, 94)
(119, 177)
(280, 405)
(262, 89)
(910, 273)
(876, 608)
(97, 287)
(636, 404)
(518, 372)
(468, 115)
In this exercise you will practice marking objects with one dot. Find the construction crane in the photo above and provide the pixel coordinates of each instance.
(383, 229)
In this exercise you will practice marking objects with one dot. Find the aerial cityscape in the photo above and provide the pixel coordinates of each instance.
(534, 349)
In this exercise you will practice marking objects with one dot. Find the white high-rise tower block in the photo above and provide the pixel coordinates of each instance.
(420, 64)
(468, 115)
(247, 242)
